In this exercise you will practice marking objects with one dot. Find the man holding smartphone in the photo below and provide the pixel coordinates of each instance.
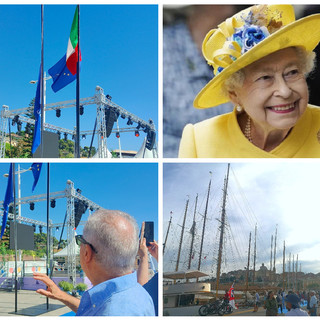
(109, 246)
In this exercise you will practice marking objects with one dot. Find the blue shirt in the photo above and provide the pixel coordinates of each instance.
(122, 296)
(152, 288)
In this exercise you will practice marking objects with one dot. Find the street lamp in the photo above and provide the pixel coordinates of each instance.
(19, 192)
(19, 185)
(44, 92)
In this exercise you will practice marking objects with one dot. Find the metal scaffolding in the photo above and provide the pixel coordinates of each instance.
(71, 194)
(102, 103)
(71, 246)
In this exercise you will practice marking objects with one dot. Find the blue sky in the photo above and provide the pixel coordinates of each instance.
(132, 188)
(119, 45)
(265, 193)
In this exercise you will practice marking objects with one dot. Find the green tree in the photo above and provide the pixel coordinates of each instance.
(85, 151)
(66, 149)
(22, 149)
(22, 142)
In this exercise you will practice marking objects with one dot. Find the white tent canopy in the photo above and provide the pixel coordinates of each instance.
(146, 153)
(64, 252)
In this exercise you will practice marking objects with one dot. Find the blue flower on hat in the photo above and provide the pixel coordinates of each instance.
(250, 35)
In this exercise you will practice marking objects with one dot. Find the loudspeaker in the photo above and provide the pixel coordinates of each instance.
(111, 117)
(50, 146)
(80, 207)
(25, 236)
(151, 138)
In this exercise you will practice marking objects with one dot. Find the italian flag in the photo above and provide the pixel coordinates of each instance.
(73, 45)
(65, 70)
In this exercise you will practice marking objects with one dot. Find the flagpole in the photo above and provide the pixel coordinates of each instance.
(10, 138)
(48, 230)
(77, 138)
(15, 240)
(42, 84)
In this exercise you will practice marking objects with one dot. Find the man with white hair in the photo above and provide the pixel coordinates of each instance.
(109, 246)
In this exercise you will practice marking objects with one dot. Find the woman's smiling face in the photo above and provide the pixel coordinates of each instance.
(274, 92)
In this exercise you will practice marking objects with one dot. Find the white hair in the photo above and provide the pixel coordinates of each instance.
(306, 60)
(115, 236)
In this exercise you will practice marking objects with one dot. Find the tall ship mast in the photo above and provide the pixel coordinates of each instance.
(254, 254)
(204, 226)
(222, 229)
(284, 266)
(193, 232)
(248, 267)
(181, 237)
(165, 241)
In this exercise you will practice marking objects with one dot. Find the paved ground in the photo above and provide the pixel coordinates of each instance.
(29, 304)
(193, 311)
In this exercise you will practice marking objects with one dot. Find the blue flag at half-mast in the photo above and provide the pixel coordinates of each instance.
(37, 114)
(7, 200)
(36, 169)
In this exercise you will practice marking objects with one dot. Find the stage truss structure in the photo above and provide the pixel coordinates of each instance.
(102, 102)
(70, 194)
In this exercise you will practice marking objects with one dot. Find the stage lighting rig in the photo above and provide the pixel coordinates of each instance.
(53, 203)
(31, 206)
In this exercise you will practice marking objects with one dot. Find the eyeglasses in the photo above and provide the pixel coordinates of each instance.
(80, 239)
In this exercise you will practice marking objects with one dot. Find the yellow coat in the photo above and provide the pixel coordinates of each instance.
(221, 137)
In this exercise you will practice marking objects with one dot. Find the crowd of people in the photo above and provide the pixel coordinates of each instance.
(299, 303)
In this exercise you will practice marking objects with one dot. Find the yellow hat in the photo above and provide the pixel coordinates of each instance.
(248, 36)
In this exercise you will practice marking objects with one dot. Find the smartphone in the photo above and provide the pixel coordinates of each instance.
(149, 232)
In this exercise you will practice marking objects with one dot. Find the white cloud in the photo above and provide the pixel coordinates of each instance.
(277, 193)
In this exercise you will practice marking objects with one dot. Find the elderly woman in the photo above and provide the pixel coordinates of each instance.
(261, 57)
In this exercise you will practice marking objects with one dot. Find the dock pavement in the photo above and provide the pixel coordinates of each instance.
(29, 303)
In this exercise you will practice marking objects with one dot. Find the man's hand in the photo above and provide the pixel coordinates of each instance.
(54, 292)
(153, 249)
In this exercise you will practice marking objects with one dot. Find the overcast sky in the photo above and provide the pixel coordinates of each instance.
(267, 194)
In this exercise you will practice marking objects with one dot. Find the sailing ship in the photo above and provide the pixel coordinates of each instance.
(185, 290)
(192, 292)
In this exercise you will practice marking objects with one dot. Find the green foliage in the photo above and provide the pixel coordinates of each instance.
(22, 139)
(65, 286)
(81, 287)
(40, 245)
(3, 251)
(5, 238)
(114, 154)
(85, 152)
(66, 149)
(22, 143)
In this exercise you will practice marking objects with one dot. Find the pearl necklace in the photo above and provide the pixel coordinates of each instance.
(247, 130)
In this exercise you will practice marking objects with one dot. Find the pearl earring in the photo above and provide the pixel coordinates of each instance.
(239, 108)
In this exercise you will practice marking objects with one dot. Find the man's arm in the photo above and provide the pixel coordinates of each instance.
(55, 293)
(142, 272)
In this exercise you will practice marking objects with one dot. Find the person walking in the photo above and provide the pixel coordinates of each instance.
(271, 305)
(256, 302)
(279, 301)
(313, 303)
